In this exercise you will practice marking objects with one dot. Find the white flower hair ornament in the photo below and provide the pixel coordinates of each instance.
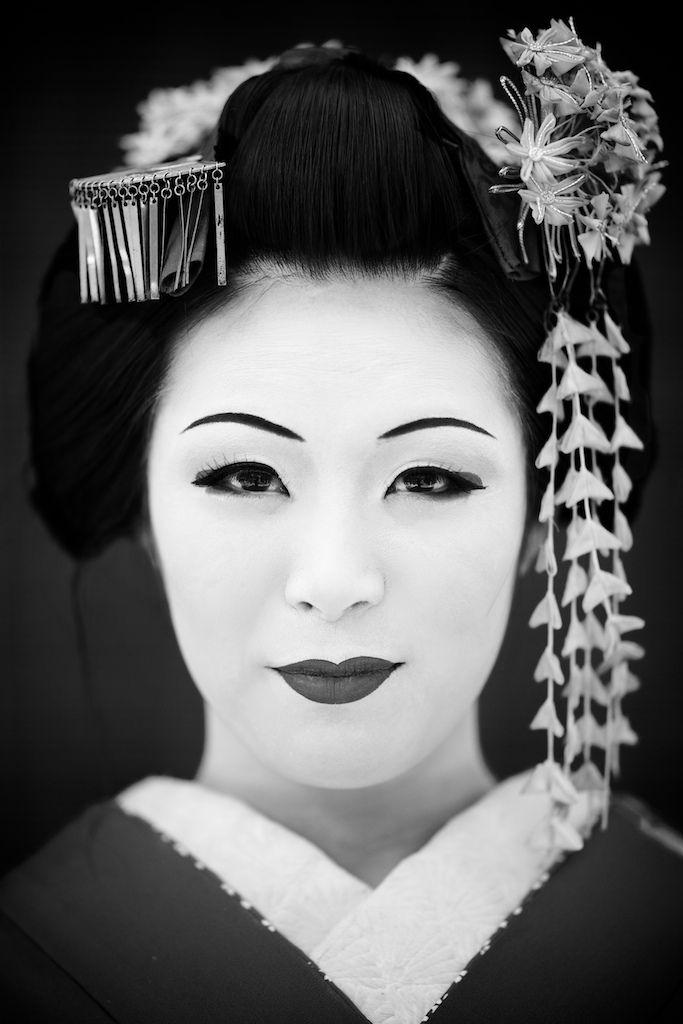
(584, 165)
(176, 121)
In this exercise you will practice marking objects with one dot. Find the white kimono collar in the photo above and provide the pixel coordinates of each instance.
(395, 949)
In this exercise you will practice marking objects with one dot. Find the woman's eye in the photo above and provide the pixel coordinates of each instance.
(241, 478)
(432, 481)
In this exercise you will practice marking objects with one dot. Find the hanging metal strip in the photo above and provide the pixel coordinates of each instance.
(82, 268)
(219, 217)
(123, 251)
(111, 248)
(98, 251)
(90, 257)
(132, 223)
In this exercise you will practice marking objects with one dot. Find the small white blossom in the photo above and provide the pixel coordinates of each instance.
(174, 121)
(471, 106)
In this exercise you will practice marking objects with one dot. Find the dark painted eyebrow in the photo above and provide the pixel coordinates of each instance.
(433, 421)
(276, 428)
(248, 418)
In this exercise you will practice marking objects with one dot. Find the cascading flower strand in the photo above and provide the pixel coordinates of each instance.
(587, 170)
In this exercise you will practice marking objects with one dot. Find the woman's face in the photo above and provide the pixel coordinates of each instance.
(339, 542)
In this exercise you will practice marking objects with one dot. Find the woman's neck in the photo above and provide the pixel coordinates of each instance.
(367, 831)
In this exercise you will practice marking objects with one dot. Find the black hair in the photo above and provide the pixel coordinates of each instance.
(337, 164)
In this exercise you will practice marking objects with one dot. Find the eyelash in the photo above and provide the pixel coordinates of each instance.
(459, 483)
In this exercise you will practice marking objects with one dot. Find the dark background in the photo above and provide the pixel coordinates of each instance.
(72, 733)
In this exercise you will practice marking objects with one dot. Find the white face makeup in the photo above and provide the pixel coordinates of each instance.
(340, 545)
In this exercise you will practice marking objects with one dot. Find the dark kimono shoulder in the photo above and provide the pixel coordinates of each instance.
(108, 922)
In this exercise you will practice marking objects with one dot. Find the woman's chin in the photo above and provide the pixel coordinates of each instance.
(352, 766)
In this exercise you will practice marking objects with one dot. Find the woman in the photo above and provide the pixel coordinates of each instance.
(331, 461)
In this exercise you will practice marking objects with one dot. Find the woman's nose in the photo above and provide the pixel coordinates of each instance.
(336, 567)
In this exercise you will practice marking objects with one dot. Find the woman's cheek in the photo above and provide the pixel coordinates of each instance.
(220, 585)
(216, 582)
(471, 553)
(464, 605)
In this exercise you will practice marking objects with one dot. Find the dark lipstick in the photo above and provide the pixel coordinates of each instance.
(327, 683)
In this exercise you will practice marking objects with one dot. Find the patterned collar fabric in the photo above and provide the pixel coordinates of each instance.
(395, 949)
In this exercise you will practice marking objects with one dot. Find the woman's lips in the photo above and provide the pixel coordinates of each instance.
(327, 683)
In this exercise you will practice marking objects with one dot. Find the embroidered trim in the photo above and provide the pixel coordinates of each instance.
(183, 851)
(233, 894)
(538, 884)
(330, 958)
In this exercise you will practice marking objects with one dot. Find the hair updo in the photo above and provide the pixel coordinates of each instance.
(336, 164)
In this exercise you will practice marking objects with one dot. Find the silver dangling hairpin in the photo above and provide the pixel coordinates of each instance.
(144, 233)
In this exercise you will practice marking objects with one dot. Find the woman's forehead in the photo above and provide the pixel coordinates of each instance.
(359, 338)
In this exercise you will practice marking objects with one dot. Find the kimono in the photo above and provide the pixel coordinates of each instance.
(175, 903)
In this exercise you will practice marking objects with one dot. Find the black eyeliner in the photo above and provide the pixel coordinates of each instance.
(465, 483)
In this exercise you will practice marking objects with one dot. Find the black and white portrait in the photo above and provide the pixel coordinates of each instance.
(342, 503)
